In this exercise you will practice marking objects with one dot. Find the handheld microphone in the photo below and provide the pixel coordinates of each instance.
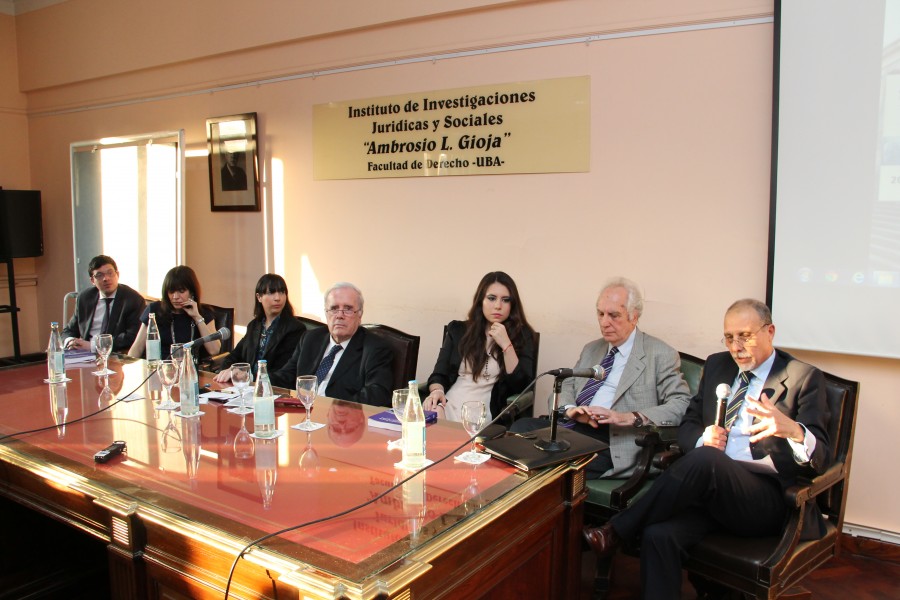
(595, 372)
(222, 334)
(723, 390)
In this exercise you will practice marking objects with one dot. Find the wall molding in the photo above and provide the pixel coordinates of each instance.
(433, 58)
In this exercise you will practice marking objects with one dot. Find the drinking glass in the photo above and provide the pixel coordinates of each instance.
(240, 378)
(306, 392)
(177, 354)
(104, 348)
(168, 375)
(473, 416)
(243, 443)
(398, 406)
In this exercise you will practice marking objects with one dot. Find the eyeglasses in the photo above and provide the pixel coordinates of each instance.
(341, 311)
(742, 339)
(103, 274)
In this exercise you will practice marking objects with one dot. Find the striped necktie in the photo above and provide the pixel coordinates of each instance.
(590, 388)
(326, 363)
(734, 406)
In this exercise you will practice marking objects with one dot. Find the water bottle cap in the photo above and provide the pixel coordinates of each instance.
(54, 323)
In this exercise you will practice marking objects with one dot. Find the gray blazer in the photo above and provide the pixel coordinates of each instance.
(651, 384)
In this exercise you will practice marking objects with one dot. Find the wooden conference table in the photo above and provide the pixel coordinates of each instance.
(178, 508)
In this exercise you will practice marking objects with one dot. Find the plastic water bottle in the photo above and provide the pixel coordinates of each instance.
(153, 344)
(189, 386)
(263, 403)
(56, 356)
(413, 430)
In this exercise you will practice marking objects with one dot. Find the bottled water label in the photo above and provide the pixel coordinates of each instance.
(56, 362)
(153, 350)
(414, 444)
(264, 415)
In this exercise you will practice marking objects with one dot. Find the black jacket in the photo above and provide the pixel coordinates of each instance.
(446, 369)
(363, 374)
(279, 348)
(124, 318)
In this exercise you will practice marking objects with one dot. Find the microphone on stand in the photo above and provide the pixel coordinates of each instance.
(222, 334)
(553, 444)
(595, 372)
(723, 390)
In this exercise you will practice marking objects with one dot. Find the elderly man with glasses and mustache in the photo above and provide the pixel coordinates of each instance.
(350, 363)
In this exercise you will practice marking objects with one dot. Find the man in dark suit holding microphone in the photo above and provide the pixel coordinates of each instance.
(731, 478)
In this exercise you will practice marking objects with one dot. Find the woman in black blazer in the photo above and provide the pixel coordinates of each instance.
(488, 357)
(272, 335)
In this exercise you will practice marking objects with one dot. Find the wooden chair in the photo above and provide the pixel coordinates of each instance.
(224, 317)
(773, 567)
(406, 352)
(310, 324)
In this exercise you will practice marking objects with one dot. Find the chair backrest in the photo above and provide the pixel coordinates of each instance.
(537, 348)
(692, 369)
(842, 396)
(405, 348)
(224, 317)
(310, 324)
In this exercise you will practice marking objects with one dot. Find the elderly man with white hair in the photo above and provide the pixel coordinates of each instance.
(641, 385)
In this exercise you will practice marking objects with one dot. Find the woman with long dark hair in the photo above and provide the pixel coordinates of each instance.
(272, 335)
(487, 357)
(180, 316)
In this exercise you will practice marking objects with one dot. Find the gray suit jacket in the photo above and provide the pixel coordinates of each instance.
(651, 384)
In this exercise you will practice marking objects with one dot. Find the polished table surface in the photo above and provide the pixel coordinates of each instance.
(335, 483)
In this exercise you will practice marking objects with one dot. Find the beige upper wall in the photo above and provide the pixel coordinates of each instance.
(680, 144)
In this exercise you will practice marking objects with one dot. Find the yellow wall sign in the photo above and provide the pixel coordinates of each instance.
(526, 127)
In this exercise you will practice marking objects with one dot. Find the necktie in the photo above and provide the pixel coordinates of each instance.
(326, 363)
(590, 388)
(104, 328)
(734, 407)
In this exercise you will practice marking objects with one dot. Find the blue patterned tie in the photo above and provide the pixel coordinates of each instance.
(734, 406)
(326, 363)
(590, 388)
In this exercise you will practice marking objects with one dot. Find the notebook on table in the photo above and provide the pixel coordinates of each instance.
(522, 453)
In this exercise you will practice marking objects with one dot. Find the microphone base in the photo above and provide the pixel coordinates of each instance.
(552, 445)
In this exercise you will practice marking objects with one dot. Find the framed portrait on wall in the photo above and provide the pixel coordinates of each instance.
(233, 174)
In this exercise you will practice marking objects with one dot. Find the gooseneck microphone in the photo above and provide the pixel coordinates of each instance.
(595, 372)
(222, 334)
(723, 390)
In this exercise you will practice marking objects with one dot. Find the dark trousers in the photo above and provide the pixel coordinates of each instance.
(703, 491)
(600, 463)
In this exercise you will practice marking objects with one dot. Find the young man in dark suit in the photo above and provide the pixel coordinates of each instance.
(351, 364)
(107, 307)
(731, 478)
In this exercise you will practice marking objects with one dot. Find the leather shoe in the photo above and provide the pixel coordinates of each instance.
(603, 540)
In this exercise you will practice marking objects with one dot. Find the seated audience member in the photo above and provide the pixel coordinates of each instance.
(488, 357)
(273, 333)
(107, 307)
(730, 479)
(179, 316)
(643, 384)
(350, 363)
